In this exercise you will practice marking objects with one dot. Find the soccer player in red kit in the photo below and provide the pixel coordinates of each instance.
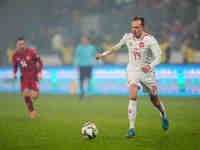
(27, 59)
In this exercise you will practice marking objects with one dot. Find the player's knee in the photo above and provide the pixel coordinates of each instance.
(133, 93)
(133, 96)
(35, 95)
(26, 92)
(154, 91)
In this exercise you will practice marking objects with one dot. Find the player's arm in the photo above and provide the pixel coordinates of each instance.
(15, 66)
(156, 52)
(112, 49)
(40, 63)
(154, 46)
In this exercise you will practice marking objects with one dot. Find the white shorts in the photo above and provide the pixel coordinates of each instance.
(146, 80)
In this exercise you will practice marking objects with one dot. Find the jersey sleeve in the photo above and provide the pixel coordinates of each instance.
(154, 46)
(35, 54)
(121, 42)
(14, 61)
(38, 60)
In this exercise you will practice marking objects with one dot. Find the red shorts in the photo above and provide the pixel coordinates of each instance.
(30, 84)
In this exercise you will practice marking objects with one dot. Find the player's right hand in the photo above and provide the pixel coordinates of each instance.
(98, 56)
(15, 76)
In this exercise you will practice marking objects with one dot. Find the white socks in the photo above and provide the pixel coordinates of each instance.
(132, 113)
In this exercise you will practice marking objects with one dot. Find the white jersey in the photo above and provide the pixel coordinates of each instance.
(142, 51)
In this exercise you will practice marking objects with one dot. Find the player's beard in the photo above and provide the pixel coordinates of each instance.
(137, 35)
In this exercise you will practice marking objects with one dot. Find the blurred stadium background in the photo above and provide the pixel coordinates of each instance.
(54, 29)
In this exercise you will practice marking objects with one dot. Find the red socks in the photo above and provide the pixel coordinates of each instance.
(29, 103)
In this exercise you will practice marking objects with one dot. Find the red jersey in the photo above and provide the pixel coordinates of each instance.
(27, 60)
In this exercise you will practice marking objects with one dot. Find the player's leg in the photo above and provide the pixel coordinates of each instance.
(29, 103)
(35, 94)
(132, 109)
(149, 85)
(156, 102)
(89, 85)
(81, 78)
(25, 87)
(159, 105)
(133, 84)
(35, 89)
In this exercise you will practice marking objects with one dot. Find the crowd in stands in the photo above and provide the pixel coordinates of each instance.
(175, 23)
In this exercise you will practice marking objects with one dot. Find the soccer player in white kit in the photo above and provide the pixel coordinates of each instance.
(144, 54)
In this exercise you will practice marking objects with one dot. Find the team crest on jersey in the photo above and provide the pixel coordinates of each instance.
(141, 44)
(27, 57)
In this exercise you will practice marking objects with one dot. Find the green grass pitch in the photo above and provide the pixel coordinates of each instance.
(61, 117)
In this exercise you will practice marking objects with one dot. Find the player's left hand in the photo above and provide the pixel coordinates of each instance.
(146, 68)
(39, 76)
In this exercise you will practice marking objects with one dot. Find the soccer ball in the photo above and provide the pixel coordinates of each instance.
(89, 130)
